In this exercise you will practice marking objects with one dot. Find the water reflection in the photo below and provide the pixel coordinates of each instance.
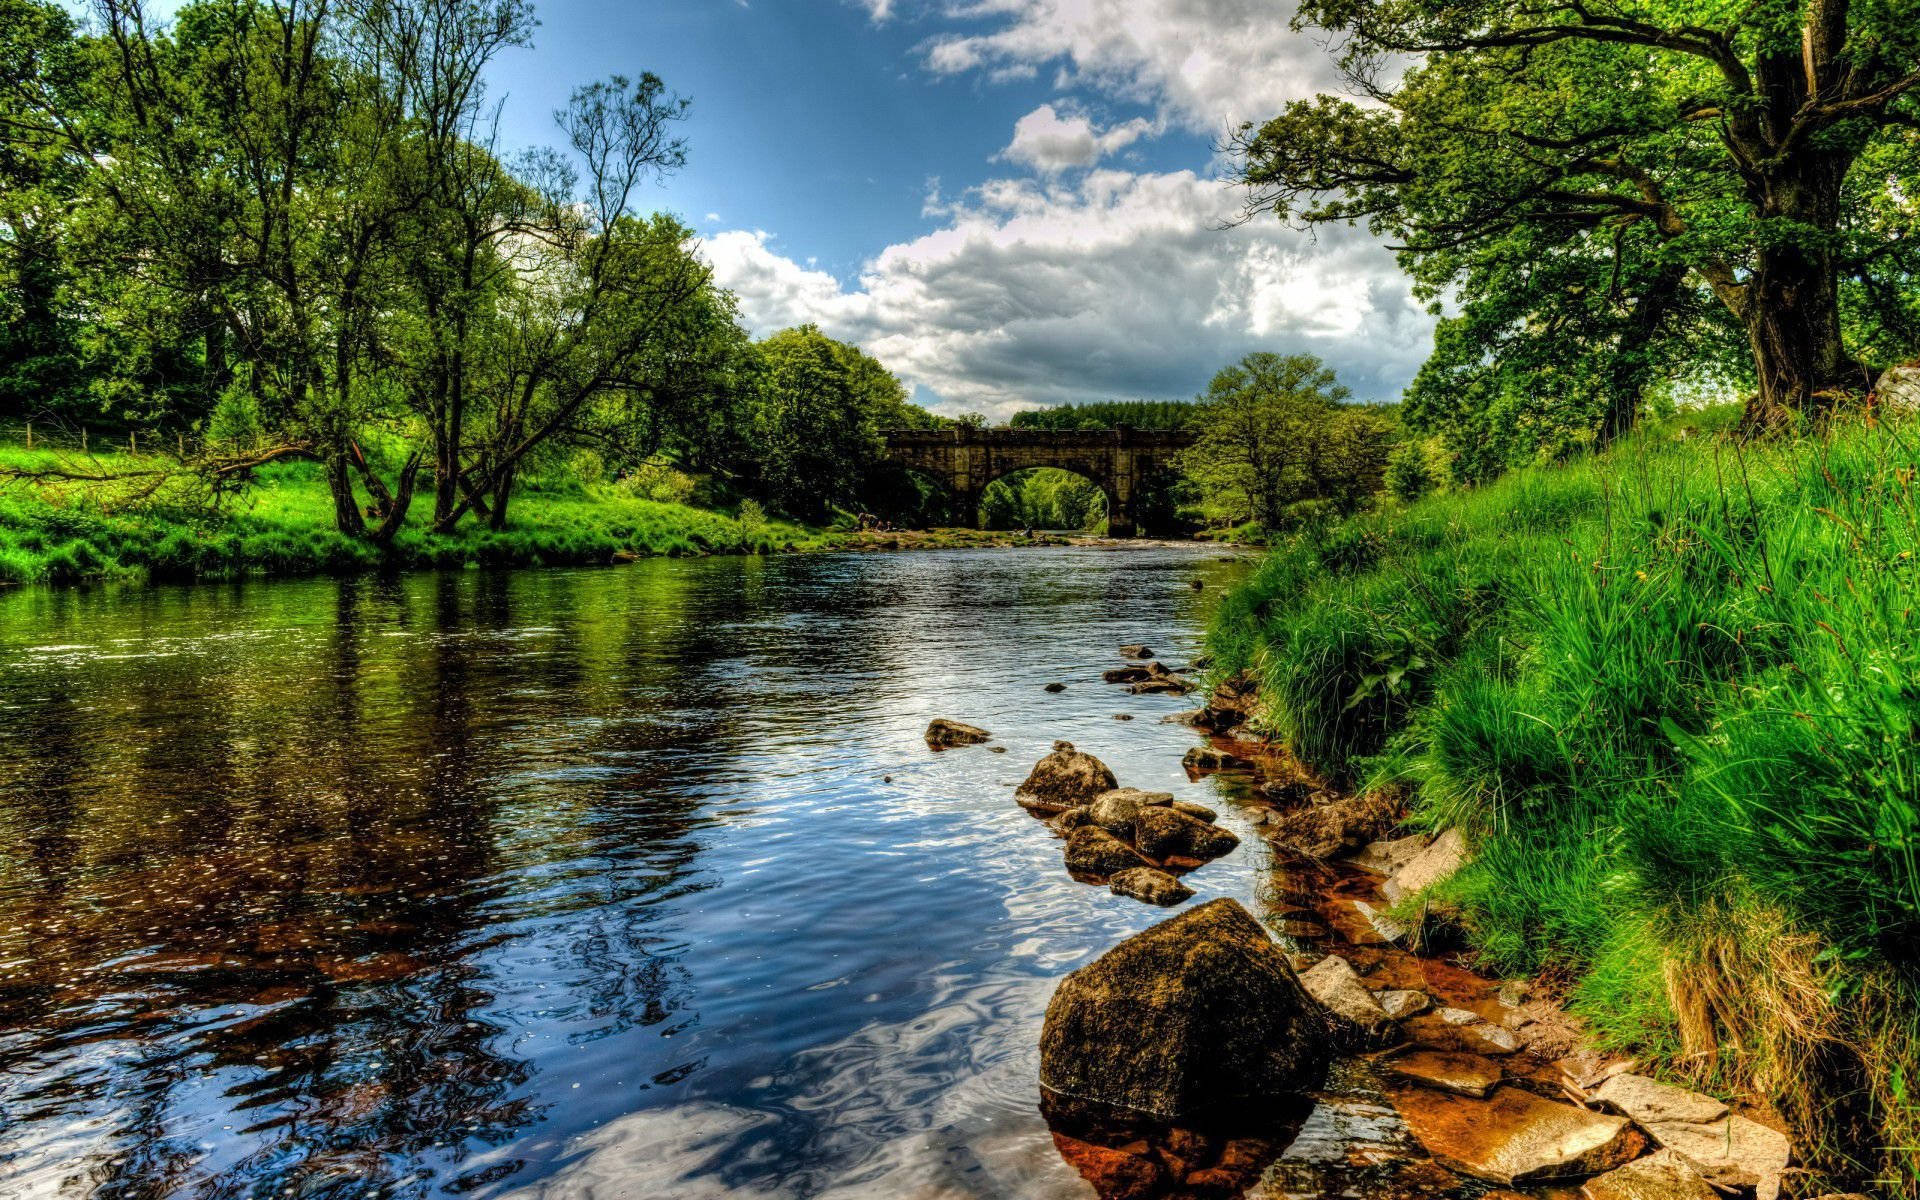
(542, 883)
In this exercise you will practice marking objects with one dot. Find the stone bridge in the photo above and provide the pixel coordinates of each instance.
(967, 460)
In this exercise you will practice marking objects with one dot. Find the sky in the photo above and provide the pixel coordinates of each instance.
(1010, 203)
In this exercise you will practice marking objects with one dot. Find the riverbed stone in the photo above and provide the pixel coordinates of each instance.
(1662, 1175)
(1055, 687)
(1169, 833)
(1091, 850)
(1200, 811)
(1168, 685)
(1335, 826)
(1729, 1151)
(1447, 1070)
(1401, 1003)
(1149, 884)
(1435, 864)
(1386, 856)
(1134, 674)
(1197, 1014)
(1477, 1037)
(1212, 758)
(1114, 811)
(1066, 778)
(1070, 820)
(1516, 1139)
(943, 734)
(1385, 925)
(1649, 1101)
(1359, 1021)
(1135, 651)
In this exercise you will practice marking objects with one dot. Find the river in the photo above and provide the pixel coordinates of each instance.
(563, 884)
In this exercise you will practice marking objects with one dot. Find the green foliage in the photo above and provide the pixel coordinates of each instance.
(1043, 498)
(1135, 414)
(1273, 430)
(1670, 693)
(283, 526)
(1611, 199)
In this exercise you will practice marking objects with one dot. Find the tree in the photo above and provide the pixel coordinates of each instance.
(1272, 430)
(816, 425)
(1731, 134)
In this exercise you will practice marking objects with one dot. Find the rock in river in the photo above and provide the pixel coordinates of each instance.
(1210, 758)
(1197, 1014)
(1730, 1151)
(1091, 850)
(1359, 1021)
(942, 734)
(1064, 779)
(1149, 884)
(1135, 652)
(1169, 833)
(1115, 811)
(1662, 1175)
(1515, 1138)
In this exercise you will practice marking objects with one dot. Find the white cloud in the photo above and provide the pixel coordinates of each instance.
(1205, 64)
(1116, 286)
(1048, 140)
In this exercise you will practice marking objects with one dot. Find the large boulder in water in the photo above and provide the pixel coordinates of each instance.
(1091, 850)
(1064, 779)
(1169, 833)
(943, 734)
(1197, 1014)
(1115, 811)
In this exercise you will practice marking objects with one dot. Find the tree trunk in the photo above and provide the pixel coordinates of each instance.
(1792, 297)
(1627, 376)
(346, 510)
(502, 489)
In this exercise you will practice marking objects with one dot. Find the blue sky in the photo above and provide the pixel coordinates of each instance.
(1009, 202)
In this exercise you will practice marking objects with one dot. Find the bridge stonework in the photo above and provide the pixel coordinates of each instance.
(966, 460)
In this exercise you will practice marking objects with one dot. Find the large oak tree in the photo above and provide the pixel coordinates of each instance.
(1732, 132)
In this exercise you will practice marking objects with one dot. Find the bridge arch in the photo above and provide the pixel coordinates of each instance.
(968, 459)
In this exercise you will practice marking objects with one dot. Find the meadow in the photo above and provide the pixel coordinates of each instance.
(281, 523)
(1672, 695)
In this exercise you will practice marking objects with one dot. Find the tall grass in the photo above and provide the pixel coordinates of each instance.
(1672, 694)
(283, 525)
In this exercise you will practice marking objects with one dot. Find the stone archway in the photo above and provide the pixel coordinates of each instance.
(1115, 460)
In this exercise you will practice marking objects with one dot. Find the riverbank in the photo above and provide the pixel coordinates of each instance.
(1664, 696)
(62, 531)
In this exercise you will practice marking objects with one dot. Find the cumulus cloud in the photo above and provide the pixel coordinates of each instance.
(1204, 64)
(1049, 140)
(1115, 286)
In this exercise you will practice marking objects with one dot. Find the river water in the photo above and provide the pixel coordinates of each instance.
(629, 882)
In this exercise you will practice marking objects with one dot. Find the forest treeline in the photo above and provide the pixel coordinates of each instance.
(288, 231)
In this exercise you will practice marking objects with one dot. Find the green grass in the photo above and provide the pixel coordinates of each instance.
(1672, 694)
(59, 532)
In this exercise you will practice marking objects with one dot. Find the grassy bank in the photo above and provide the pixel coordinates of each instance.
(1672, 694)
(62, 531)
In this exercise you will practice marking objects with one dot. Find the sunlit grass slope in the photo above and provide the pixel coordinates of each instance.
(283, 525)
(1673, 696)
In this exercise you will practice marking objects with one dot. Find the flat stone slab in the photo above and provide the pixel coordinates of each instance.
(1436, 863)
(1515, 1138)
(1388, 929)
(1662, 1175)
(1402, 1003)
(1479, 1037)
(1390, 854)
(1333, 982)
(1649, 1100)
(1729, 1151)
(1449, 1071)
